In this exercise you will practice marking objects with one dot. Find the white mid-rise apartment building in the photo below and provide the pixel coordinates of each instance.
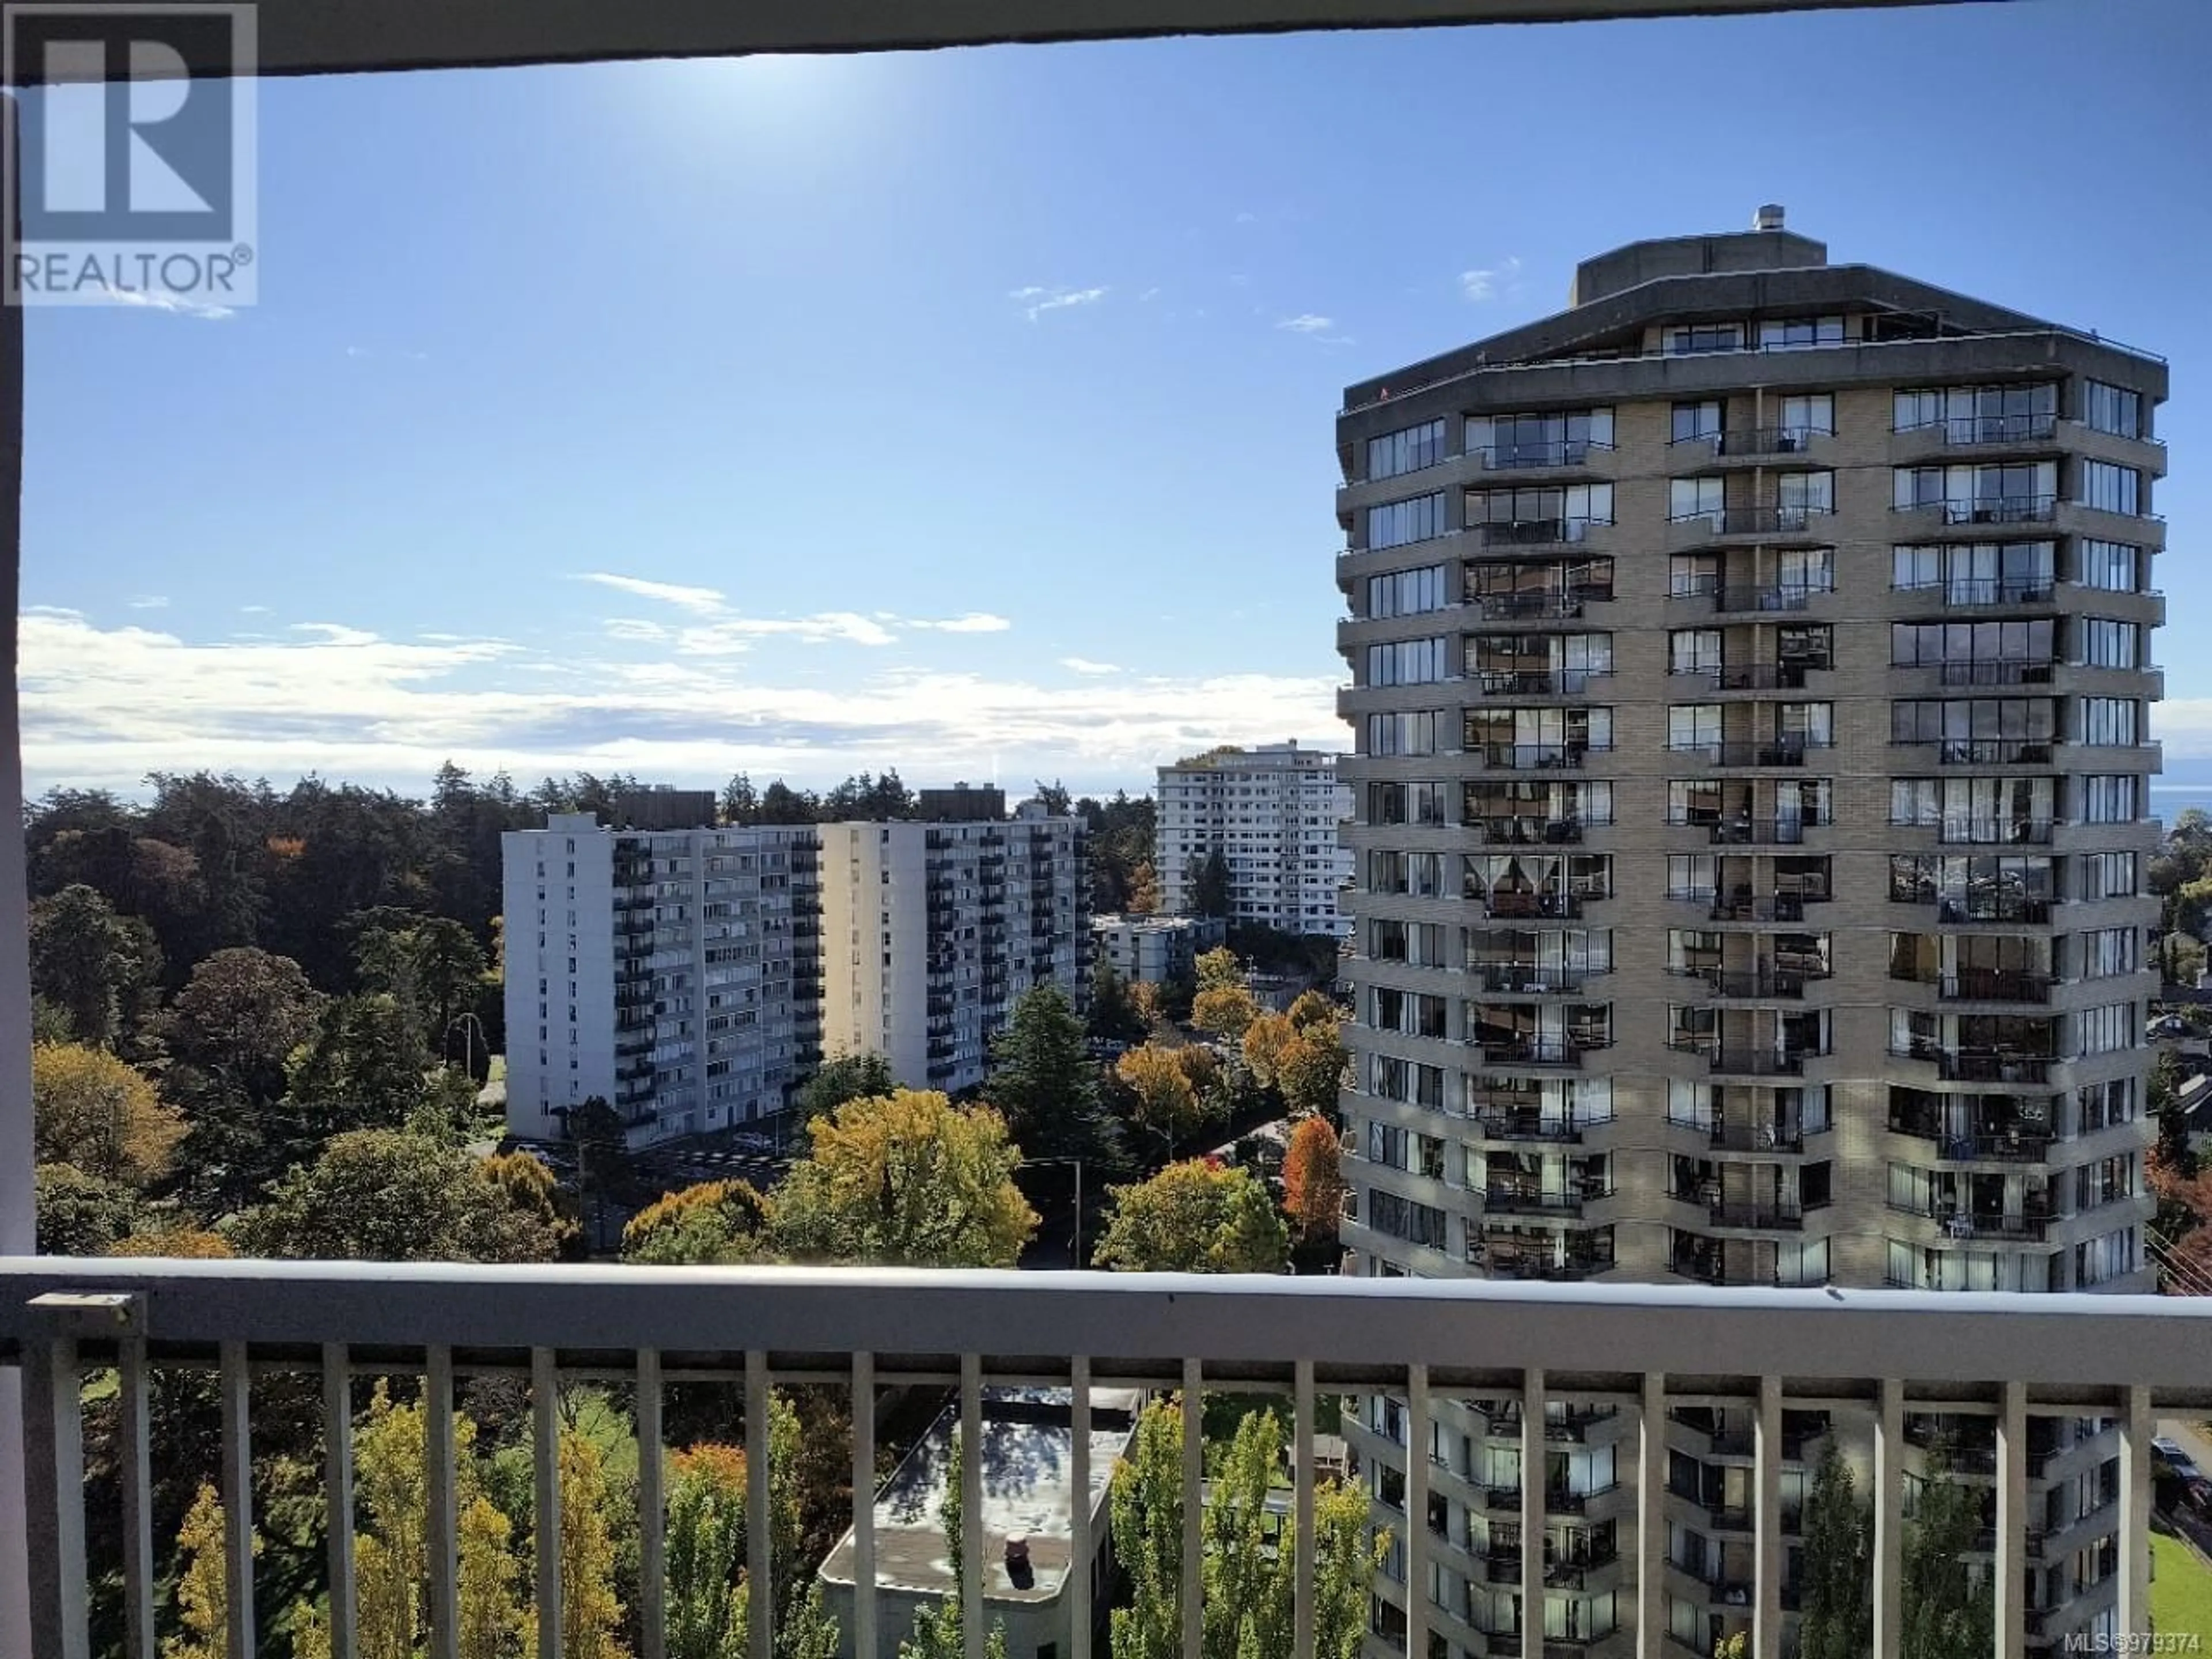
(671, 973)
(1274, 812)
(932, 931)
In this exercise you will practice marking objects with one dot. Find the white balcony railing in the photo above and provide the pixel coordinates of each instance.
(1637, 1349)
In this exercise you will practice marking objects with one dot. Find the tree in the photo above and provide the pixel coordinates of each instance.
(910, 1180)
(1313, 1180)
(1944, 1612)
(1194, 1216)
(96, 1112)
(1208, 878)
(1246, 1587)
(740, 801)
(1268, 1041)
(1043, 1079)
(1222, 1004)
(82, 1214)
(1218, 969)
(386, 1195)
(705, 1553)
(715, 1222)
(364, 1067)
(239, 1016)
(1166, 1101)
(1148, 1002)
(203, 1582)
(1055, 798)
(494, 1623)
(1113, 1013)
(101, 969)
(532, 1190)
(590, 1614)
(1837, 1605)
(1143, 893)
(177, 1243)
(859, 1075)
(1309, 1076)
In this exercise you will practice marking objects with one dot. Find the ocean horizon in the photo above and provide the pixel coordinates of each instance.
(2169, 800)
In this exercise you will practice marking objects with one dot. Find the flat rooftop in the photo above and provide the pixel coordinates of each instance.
(1027, 1451)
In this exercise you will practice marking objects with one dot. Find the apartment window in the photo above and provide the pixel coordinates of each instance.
(1797, 333)
(2109, 722)
(1414, 733)
(1693, 725)
(1933, 644)
(1975, 809)
(2113, 566)
(1811, 414)
(1406, 662)
(2112, 1256)
(1691, 876)
(1975, 573)
(2109, 951)
(1979, 414)
(1688, 337)
(1693, 650)
(2108, 1181)
(1694, 422)
(2112, 489)
(1408, 451)
(1978, 495)
(1805, 492)
(2107, 1029)
(2103, 642)
(1407, 593)
(1694, 498)
(2105, 1105)
(1396, 524)
(2106, 875)
(1547, 439)
(2109, 799)
(1572, 506)
(1966, 721)
(2111, 409)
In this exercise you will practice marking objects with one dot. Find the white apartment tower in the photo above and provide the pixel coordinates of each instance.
(671, 973)
(932, 931)
(1274, 812)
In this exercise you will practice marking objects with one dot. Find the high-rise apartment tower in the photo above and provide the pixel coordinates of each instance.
(1751, 673)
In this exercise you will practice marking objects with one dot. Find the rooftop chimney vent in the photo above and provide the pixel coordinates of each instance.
(1768, 217)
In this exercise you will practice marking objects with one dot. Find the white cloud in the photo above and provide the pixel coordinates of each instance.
(1307, 323)
(1149, 293)
(1488, 284)
(633, 628)
(1036, 301)
(975, 622)
(148, 602)
(175, 304)
(1084, 666)
(253, 610)
(102, 706)
(726, 635)
(1245, 219)
(705, 600)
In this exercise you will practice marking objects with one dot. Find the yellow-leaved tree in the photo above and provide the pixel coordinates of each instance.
(203, 1582)
(98, 1114)
(906, 1179)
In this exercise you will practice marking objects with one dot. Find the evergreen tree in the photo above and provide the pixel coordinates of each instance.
(1113, 1013)
(1044, 1082)
(1208, 878)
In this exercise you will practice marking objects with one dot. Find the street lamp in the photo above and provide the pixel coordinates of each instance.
(464, 1021)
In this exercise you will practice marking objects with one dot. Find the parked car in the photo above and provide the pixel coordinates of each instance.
(2167, 1025)
(2169, 1452)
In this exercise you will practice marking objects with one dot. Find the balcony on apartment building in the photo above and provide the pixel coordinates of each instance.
(1996, 1129)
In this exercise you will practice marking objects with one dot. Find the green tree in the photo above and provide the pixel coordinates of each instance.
(1218, 969)
(1194, 1216)
(203, 1582)
(1113, 1013)
(97, 1112)
(386, 1195)
(1838, 1607)
(532, 1190)
(1247, 1588)
(1208, 878)
(1043, 1079)
(705, 1553)
(860, 1075)
(102, 969)
(1164, 1099)
(1945, 1610)
(909, 1180)
(740, 801)
(714, 1222)
(364, 1065)
(239, 1016)
(81, 1213)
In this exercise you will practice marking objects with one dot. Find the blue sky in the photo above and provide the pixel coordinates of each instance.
(968, 412)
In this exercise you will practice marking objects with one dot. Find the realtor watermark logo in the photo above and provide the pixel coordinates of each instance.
(130, 180)
(2142, 1641)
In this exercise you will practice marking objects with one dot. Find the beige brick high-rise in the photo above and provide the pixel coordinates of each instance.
(1751, 668)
